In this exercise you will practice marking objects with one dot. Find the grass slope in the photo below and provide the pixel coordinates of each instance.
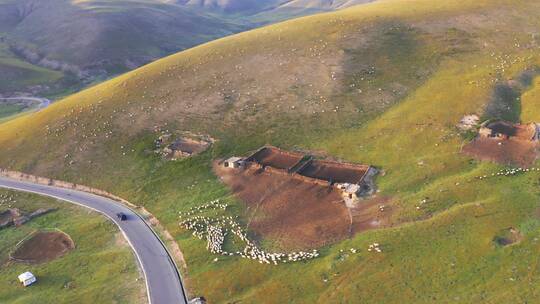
(101, 267)
(87, 41)
(93, 40)
(9, 109)
(16, 74)
(383, 84)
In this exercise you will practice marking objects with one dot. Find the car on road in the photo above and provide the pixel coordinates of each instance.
(121, 216)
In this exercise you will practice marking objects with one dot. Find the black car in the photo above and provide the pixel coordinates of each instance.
(121, 216)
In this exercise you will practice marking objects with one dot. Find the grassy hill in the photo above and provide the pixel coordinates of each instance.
(84, 275)
(89, 40)
(384, 84)
(17, 74)
(62, 45)
(272, 10)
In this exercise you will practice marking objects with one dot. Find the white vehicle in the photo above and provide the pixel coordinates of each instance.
(27, 279)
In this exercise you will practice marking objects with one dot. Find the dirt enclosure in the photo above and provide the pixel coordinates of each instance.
(295, 214)
(189, 146)
(511, 151)
(272, 157)
(43, 247)
(505, 143)
(522, 132)
(334, 172)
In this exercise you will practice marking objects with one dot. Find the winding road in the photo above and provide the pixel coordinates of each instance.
(43, 102)
(163, 282)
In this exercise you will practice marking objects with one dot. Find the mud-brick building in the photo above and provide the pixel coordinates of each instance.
(351, 180)
(233, 163)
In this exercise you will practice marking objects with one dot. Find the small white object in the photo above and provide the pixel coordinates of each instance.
(27, 279)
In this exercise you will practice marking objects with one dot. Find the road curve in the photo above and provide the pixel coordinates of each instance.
(43, 102)
(163, 282)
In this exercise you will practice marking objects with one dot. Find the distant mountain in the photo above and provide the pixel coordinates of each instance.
(231, 6)
(256, 7)
(87, 41)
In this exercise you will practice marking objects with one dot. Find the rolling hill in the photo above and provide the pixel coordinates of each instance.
(89, 40)
(82, 275)
(52, 46)
(247, 7)
(384, 84)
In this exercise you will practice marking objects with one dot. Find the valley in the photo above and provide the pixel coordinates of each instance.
(384, 85)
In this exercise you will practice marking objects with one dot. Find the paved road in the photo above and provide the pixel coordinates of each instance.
(43, 102)
(163, 282)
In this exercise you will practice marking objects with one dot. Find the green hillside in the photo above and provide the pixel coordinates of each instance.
(17, 74)
(61, 46)
(93, 40)
(100, 268)
(383, 84)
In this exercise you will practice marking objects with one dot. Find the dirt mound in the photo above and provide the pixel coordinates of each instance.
(43, 247)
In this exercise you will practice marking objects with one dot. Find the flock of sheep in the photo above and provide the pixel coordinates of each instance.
(509, 172)
(6, 199)
(215, 230)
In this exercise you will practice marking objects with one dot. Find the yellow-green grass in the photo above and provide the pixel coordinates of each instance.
(13, 115)
(101, 268)
(9, 111)
(530, 102)
(441, 58)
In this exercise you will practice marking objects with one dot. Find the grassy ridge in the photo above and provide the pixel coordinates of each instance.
(16, 74)
(383, 84)
(100, 268)
(9, 109)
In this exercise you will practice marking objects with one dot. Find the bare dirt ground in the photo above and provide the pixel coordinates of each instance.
(368, 216)
(504, 151)
(295, 214)
(334, 172)
(43, 247)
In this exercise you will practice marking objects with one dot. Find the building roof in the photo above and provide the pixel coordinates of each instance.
(25, 276)
(233, 159)
(350, 188)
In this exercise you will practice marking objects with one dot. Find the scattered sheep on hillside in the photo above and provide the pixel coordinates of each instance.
(214, 230)
(508, 172)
